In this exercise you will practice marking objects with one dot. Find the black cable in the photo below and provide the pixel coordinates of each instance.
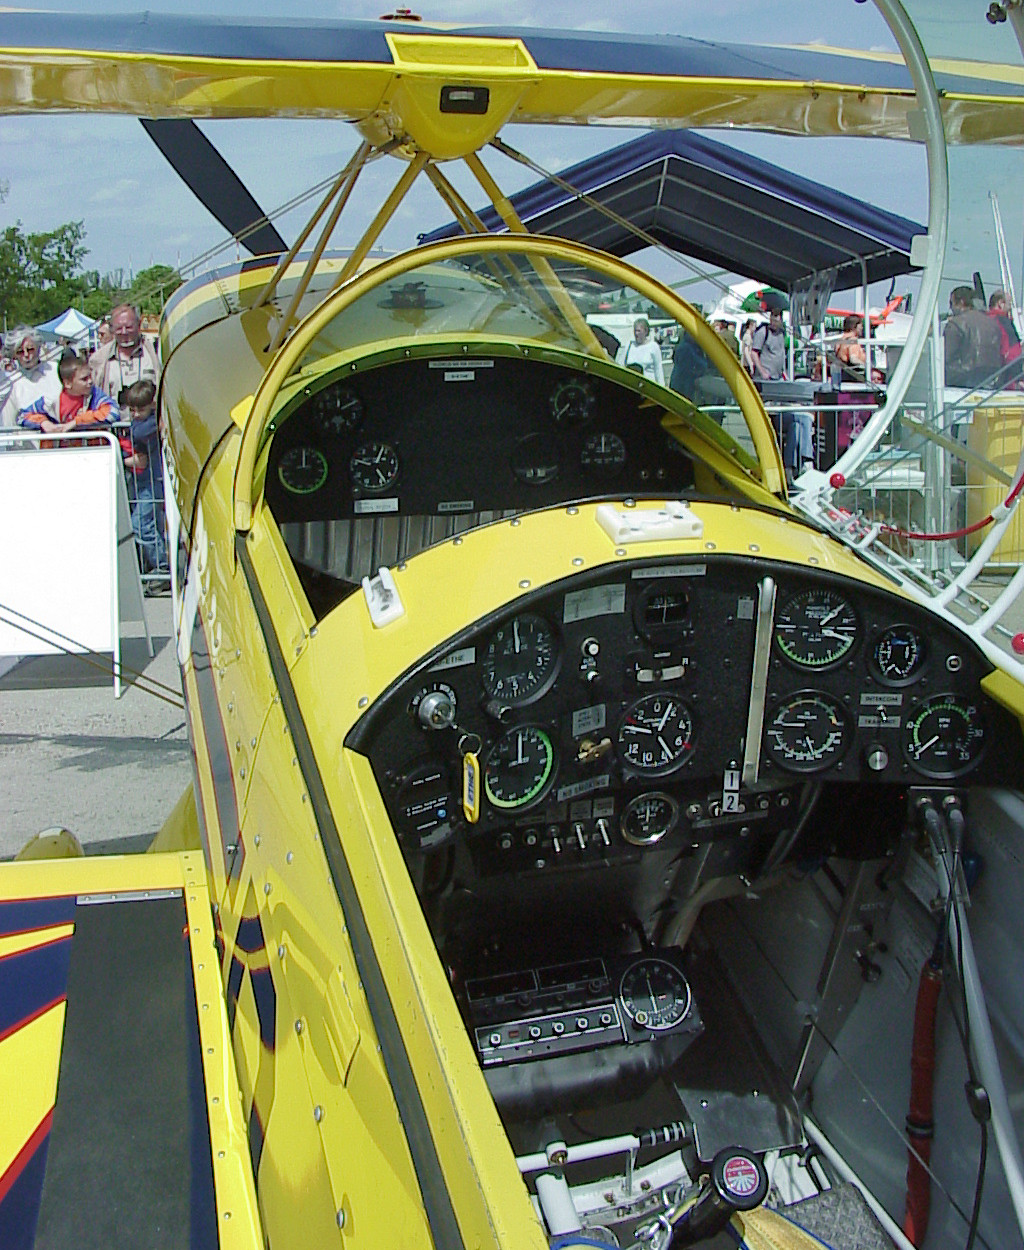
(148, 685)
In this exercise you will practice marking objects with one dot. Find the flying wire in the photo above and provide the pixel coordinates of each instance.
(70, 647)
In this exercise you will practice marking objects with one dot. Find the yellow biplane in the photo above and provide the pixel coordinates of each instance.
(569, 813)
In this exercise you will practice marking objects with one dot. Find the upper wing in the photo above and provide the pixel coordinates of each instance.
(393, 78)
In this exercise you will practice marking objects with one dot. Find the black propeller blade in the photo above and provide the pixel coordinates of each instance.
(218, 188)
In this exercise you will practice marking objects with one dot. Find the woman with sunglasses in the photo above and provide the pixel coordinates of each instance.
(33, 378)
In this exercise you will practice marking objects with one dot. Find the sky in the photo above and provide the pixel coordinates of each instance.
(105, 171)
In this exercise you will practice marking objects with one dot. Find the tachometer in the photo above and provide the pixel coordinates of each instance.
(519, 768)
(373, 467)
(520, 661)
(572, 401)
(807, 733)
(656, 734)
(302, 470)
(899, 654)
(655, 994)
(816, 628)
(647, 818)
(944, 736)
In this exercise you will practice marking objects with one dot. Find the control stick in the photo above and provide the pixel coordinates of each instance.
(736, 1181)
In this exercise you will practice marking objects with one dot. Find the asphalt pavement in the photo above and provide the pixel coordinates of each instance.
(73, 755)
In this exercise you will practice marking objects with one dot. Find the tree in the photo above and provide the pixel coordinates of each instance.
(39, 273)
(153, 287)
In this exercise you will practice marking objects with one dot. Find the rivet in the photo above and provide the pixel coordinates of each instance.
(709, 546)
(312, 631)
(456, 542)
(620, 551)
(304, 796)
(629, 503)
(266, 888)
(220, 1154)
(753, 547)
(340, 1218)
(257, 839)
(318, 1113)
(298, 649)
(280, 952)
(227, 1215)
(295, 760)
(215, 1100)
(238, 744)
(289, 857)
(363, 700)
(577, 561)
(812, 559)
(298, 1026)
(515, 523)
(252, 742)
(238, 653)
(241, 772)
(524, 584)
(231, 707)
(572, 511)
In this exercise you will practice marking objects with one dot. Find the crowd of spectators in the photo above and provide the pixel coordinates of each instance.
(112, 388)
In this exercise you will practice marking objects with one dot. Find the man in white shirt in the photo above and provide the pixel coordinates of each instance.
(127, 358)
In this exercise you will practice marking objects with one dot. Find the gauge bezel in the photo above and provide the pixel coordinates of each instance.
(821, 763)
(661, 630)
(303, 447)
(801, 663)
(540, 790)
(522, 472)
(604, 470)
(678, 761)
(922, 662)
(550, 675)
(919, 711)
(631, 1015)
(654, 838)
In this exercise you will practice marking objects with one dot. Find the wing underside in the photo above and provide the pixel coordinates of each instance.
(366, 72)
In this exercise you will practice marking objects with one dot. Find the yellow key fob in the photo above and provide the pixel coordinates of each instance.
(471, 786)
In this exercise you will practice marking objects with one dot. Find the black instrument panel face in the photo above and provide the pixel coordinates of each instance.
(607, 717)
(455, 436)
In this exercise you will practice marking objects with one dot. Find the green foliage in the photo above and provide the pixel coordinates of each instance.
(41, 275)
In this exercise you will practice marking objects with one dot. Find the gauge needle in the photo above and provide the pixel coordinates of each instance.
(517, 645)
(650, 991)
(810, 744)
(834, 633)
(925, 745)
(519, 750)
(665, 746)
(661, 723)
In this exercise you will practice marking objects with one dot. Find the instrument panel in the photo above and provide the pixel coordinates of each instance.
(607, 719)
(467, 435)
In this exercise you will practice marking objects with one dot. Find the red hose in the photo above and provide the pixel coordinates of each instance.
(919, 1116)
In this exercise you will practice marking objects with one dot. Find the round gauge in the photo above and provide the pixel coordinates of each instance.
(656, 734)
(654, 994)
(944, 736)
(647, 818)
(519, 768)
(807, 732)
(815, 628)
(572, 401)
(520, 661)
(302, 470)
(374, 467)
(427, 809)
(535, 459)
(336, 410)
(603, 453)
(899, 654)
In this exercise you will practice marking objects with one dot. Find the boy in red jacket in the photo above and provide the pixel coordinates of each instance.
(80, 405)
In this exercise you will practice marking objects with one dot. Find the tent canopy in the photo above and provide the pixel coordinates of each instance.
(719, 205)
(70, 324)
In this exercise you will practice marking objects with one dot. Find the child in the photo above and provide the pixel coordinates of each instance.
(141, 447)
(80, 404)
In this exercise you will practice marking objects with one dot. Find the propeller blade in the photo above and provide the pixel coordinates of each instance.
(215, 184)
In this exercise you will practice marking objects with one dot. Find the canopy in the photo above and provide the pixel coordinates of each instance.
(70, 324)
(719, 205)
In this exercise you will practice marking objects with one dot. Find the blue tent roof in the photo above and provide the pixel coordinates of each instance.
(718, 205)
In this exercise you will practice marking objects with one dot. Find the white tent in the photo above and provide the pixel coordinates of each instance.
(70, 324)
